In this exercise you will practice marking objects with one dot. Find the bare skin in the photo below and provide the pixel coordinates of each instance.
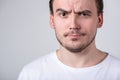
(75, 23)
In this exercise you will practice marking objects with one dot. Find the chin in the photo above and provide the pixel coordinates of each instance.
(74, 48)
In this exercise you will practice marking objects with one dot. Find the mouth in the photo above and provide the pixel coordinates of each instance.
(74, 35)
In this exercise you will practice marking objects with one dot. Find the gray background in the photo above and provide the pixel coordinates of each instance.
(25, 33)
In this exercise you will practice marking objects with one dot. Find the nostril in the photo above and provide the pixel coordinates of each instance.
(75, 28)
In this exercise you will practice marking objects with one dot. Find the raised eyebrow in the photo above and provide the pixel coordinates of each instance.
(62, 10)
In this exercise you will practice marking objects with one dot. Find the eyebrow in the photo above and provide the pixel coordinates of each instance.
(84, 11)
(62, 10)
(79, 12)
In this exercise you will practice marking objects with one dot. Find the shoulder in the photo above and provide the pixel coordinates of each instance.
(36, 67)
(111, 68)
(114, 63)
(114, 67)
(40, 63)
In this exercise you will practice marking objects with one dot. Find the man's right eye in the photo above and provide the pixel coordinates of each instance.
(63, 14)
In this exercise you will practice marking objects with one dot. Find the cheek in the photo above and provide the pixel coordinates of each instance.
(61, 23)
(89, 26)
(59, 27)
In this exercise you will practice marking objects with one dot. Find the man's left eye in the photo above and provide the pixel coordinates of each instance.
(83, 14)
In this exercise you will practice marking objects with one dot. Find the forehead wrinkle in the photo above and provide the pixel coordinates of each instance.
(72, 4)
(75, 5)
(79, 5)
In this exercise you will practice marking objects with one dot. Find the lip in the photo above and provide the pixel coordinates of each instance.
(74, 35)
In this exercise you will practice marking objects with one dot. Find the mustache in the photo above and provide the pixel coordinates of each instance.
(74, 32)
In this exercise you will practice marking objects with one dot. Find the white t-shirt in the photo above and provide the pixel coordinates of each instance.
(49, 67)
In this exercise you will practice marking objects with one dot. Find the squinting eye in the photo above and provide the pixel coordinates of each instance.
(83, 14)
(63, 14)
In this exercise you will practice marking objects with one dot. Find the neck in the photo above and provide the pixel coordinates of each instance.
(86, 58)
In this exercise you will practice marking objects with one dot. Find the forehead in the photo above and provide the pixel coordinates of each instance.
(74, 4)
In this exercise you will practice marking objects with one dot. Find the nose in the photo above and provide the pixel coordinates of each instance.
(74, 25)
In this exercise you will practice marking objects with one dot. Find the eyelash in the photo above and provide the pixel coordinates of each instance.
(83, 14)
(63, 14)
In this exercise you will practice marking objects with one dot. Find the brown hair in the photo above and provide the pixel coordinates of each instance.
(99, 5)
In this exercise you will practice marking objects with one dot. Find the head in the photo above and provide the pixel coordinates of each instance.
(99, 5)
(75, 22)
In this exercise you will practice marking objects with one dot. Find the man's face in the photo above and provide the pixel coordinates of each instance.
(75, 23)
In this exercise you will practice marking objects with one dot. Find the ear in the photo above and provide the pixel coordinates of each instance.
(52, 21)
(100, 20)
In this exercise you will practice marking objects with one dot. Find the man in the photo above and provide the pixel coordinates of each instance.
(75, 23)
